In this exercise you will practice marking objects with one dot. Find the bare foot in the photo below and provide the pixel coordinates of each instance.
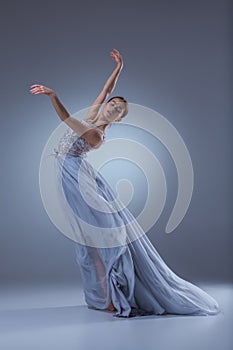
(111, 307)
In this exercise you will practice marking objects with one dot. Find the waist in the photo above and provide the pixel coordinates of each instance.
(72, 153)
(83, 155)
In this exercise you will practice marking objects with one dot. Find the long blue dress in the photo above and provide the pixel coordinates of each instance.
(117, 261)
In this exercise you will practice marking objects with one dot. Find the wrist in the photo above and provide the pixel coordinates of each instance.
(52, 95)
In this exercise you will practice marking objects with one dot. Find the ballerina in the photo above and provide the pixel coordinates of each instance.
(120, 268)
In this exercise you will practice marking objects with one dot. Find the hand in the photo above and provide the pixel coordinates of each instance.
(41, 89)
(115, 54)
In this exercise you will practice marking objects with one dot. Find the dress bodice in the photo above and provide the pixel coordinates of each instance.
(71, 143)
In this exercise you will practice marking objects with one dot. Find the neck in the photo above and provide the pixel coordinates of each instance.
(102, 126)
(101, 122)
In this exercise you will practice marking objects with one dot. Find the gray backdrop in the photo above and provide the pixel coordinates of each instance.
(177, 61)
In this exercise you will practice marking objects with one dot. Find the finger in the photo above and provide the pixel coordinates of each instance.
(34, 89)
(35, 92)
(35, 85)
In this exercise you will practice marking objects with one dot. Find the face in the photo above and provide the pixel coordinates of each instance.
(114, 110)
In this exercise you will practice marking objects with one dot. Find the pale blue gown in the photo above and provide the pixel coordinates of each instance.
(131, 273)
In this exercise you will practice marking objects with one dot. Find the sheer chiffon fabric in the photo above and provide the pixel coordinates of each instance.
(128, 270)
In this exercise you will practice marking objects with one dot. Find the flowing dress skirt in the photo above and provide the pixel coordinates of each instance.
(117, 261)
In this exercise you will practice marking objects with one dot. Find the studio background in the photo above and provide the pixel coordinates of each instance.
(177, 61)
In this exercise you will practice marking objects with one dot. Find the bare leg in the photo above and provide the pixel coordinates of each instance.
(99, 266)
(111, 307)
(100, 269)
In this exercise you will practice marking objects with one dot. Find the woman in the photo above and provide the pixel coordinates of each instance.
(120, 268)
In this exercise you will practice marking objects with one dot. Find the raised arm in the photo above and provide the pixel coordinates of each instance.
(108, 86)
(91, 135)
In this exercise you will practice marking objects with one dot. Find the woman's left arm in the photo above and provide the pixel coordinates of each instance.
(111, 82)
(108, 86)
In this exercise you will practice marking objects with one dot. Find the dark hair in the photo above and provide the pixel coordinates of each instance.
(123, 100)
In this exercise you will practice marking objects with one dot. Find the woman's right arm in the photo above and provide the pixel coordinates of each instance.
(91, 135)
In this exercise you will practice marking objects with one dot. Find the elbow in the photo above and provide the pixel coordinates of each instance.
(106, 92)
